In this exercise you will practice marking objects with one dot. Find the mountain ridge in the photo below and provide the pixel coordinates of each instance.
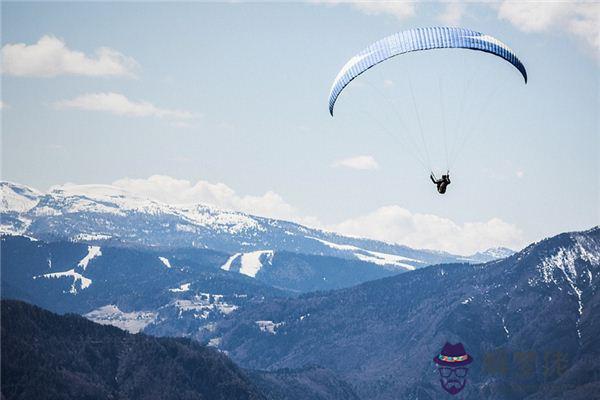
(103, 214)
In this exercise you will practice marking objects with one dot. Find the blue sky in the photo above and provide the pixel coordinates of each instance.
(227, 104)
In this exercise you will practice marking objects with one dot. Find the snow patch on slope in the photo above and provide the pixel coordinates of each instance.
(250, 263)
(505, 328)
(83, 237)
(165, 261)
(269, 326)
(374, 257)
(342, 247)
(78, 279)
(93, 252)
(230, 260)
(132, 322)
(182, 288)
(385, 259)
(202, 304)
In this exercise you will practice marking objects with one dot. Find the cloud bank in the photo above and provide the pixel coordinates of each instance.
(578, 19)
(50, 57)
(358, 162)
(452, 13)
(399, 225)
(118, 104)
(398, 9)
(391, 223)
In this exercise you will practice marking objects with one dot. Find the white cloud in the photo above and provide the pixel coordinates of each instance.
(399, 9)
(532, 16)
(578, 18)
(50, 57)
(452, 13)
(180, 191)
(520, 174)
(399, 225)
(118, 104)
(358, 162)
(3, 105)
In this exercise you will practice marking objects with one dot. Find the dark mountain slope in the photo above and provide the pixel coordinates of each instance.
(542, 303)
(134, 289)
(176, 292)
(310, 383)
(126, 277)
(308, 273)
(46, 356)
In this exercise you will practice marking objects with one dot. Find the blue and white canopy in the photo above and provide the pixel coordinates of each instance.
(415, 40)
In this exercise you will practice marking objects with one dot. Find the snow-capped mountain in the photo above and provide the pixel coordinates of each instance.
(102, 214)
(17, 198)
(493, 253)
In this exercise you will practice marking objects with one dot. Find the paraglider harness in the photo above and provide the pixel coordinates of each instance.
(442, 183)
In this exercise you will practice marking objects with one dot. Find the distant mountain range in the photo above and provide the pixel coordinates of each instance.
(106, 215)
(530, 321)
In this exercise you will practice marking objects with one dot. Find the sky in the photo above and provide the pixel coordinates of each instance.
(226, 104)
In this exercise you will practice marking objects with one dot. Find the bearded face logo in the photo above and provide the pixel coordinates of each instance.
(453, 379)
(452, 362)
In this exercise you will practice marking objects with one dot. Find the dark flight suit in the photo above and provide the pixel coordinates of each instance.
(441, 183)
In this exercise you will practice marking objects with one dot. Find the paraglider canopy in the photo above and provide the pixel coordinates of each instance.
(416, 40)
